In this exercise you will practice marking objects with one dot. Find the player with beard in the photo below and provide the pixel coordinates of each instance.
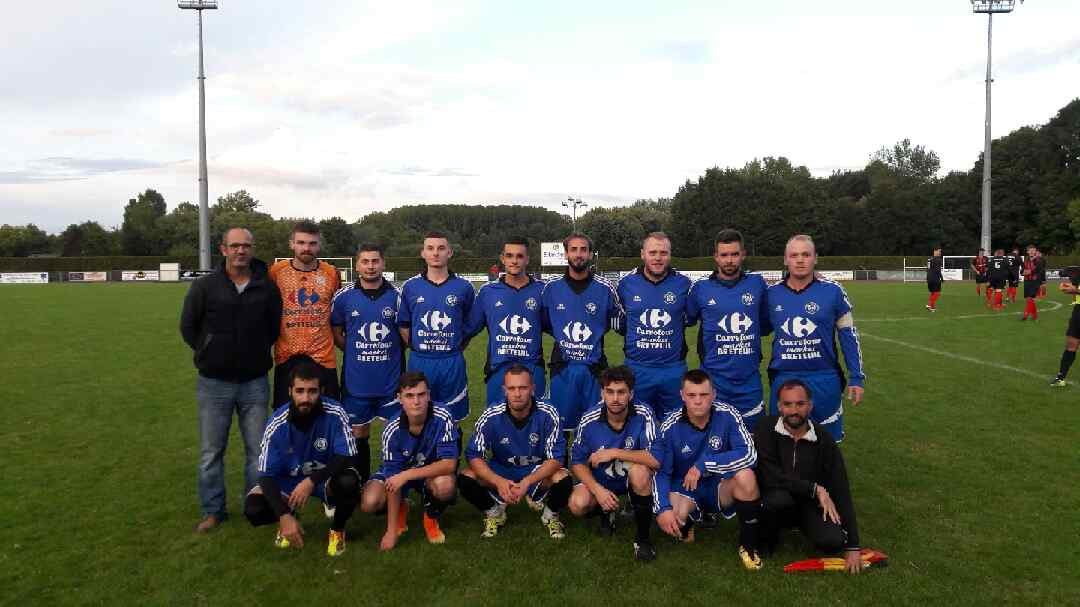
(307, 287)
(307, 449)
(934, 279)
(654, 298)
(803, 480)
(577, 310)
(509, 308)
(734, 312)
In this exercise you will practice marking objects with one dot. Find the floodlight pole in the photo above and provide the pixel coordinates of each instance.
(573, 204)
(985, 236)
(989, 7)
(204, 205)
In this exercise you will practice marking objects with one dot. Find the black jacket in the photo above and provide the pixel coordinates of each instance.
(796, 467)
(231, 333)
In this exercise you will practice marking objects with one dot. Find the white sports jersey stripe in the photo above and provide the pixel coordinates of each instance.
(478, 431)
(271, 427)
(387, 434)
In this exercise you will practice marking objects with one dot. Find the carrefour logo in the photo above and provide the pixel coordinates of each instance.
(798, 326)
(655, 318)
(373, 331)
(736, 323)
(436, 320)
(577, 332)
(514, 324)
(303, 297)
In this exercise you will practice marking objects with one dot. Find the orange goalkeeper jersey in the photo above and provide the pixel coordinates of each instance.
(305, 314)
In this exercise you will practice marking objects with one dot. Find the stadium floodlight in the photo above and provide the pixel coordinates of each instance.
(573, 204)
(204, 206)
(989, 7)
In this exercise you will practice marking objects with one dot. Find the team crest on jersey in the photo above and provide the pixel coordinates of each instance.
(629, 442)
(530, 303)
(320, 444)
(534, 438)
(714, 442)
(451, 300)
(748, 298)
(590, 308)
(387, 312)
(320, 280)
(669, 298)
(637, 298)
(811, 307)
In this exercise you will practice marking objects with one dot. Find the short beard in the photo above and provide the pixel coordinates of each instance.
(582, 267)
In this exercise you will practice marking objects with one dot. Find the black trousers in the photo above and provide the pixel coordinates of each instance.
(783, 510)
(328, 381)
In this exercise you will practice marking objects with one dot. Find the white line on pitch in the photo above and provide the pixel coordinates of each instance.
(1057, 305)
(969, 359)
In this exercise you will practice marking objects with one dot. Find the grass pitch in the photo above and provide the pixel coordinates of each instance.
(964, 464)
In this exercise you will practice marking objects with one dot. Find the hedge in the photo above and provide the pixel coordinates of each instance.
(474, 264)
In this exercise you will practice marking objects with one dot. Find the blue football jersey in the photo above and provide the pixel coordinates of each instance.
(722, 448)
(806, 333)
(655, 322)
(289, 454)
(402, 450)
(594, 433)
(577, 314)
(734, 317)
(512, 319)
(373, 358)
(435, 314)
(500, 438)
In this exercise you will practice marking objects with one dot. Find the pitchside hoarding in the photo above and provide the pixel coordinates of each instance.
(551, 254)
(24, 278)
(139, 275)
(88, 276)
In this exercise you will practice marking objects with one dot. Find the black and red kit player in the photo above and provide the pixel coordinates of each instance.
(978, 266)
(998, 274)
(933, 279)
(1031, 284)
(1015, 263)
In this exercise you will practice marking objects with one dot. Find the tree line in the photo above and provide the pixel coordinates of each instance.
(898, 204)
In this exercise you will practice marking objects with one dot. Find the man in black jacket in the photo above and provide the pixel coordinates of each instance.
(231, 318)
(802, 477)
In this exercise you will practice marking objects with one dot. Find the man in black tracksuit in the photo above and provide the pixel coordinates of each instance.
(231, 318)
(802, 477)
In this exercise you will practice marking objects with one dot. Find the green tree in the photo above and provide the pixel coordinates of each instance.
(89, 239)
(907, 161)
(337, 238)
(239, 201)
(23, 241)
(179, 230)
(139, 233)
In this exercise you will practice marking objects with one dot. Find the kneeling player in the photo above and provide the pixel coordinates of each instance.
(307, 448)
(610, 457)
(419, 452)
(517, 451)
(706, 458)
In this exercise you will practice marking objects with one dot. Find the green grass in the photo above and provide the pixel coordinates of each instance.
(967, 475)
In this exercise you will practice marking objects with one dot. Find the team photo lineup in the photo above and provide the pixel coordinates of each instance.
(569, 431)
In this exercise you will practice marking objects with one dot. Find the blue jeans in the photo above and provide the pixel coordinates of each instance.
(217, 400)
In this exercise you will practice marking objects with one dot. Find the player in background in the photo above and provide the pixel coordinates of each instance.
(934, 278)
(998, 274)
(577, 310)
(516, 451)
(434, 307)
(706, 459)
(1041, 267)
(1032, 284)
(419, 453)
(610, 457)
(307, 449)
(1072, 332)
(978, 266)
(509, 308)
(733, 308)
(363, 318)
(307, 287)
(1015, 263)
(809, 315)
(654, 299)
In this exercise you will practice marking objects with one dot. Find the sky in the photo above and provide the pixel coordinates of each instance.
(342, 108)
